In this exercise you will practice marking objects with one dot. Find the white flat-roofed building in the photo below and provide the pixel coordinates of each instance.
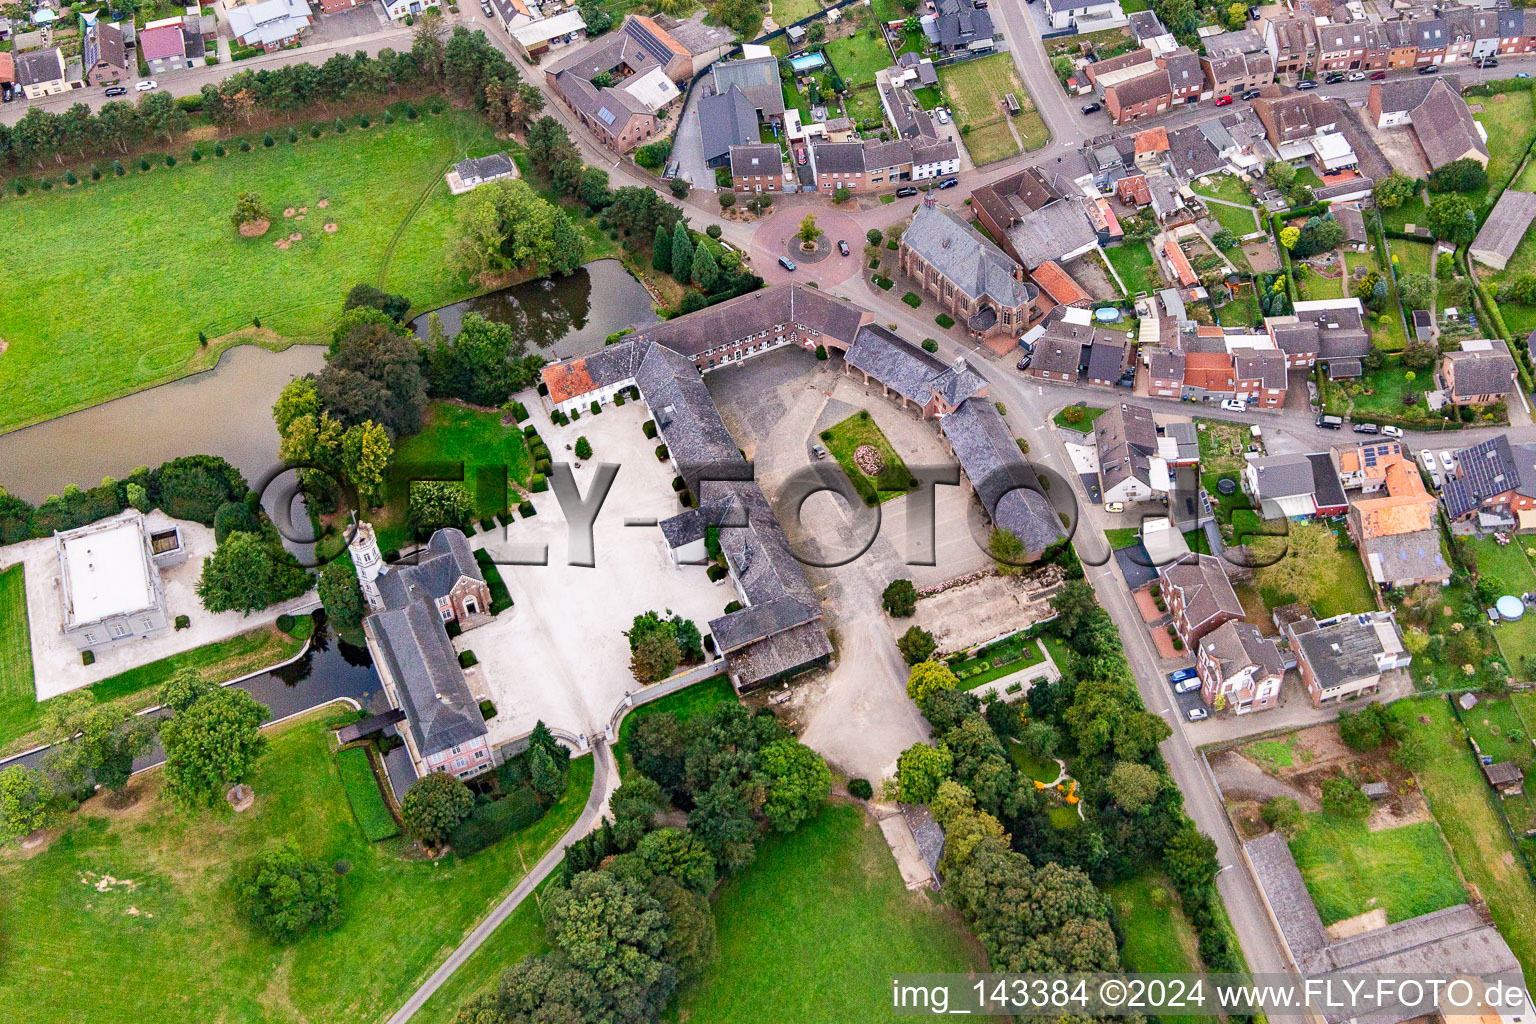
(109, 581)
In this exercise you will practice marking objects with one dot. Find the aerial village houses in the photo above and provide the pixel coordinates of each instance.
(1130, 467)
(1393, 519)
(1199, 596)
(1504, 229)
(970, 278)
(110, 588)
(1480, 373)
(1343, 657)
(1493, 485)
(1239, 668)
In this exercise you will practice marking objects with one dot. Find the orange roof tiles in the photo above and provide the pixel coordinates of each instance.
(1408, 507)
(1209, 370)
(567, 380)
(1153, 140)
(1058, 284)
(1179, 263)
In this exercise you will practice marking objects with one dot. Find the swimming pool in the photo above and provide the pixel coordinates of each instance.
(807, 62)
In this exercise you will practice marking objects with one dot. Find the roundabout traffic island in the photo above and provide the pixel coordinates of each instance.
(807, 252)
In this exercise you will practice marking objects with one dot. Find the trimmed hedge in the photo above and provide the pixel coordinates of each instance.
(183, 622)
(492, 822)
(539, 483)
(661, 453)
(716, 573)
(487, 710)
(467, 659)
(649, 429)
(944, 320)
(526, 510)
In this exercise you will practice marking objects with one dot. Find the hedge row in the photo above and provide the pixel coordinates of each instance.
(491, 822)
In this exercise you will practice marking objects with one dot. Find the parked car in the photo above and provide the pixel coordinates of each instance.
(1197, 714)
(1309, 83)
(1429, 69)
(1522, 74)
(1223, 101)
(1253, 14)
(799, 156)
(485, 8)
(1181, 675)
(1235, 405)
(1330, 422)
(906, 191)
(1367, 428)
(1251, 94)
(1024, 363)
(1378, 76)
(818, 451)
(1427, 457)
(1187, 685)
(112, 90)
(842, 247)
(1337, 76)
(941, 115)
(1392, 431)
(1091, 108)
(787, 263)
(1115, 507)
(148, 85)
(1448, 461)
(6, 95)
(949, 183)
(1489, 62)
(1356, 76)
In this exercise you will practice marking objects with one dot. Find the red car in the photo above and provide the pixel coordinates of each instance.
(1378, 76)
(1223, 101)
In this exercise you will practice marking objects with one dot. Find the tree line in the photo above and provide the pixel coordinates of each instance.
(465, 64)
(1026, 886)
(630, 919)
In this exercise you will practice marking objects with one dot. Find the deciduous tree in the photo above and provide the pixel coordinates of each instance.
(799, 782)
(26, 801)
(434, 806)
(928, 676)
(249, 572)
(283, 895)
(212, 745)
(920, 770)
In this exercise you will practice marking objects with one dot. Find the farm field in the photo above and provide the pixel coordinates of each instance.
(829, 898)
(1463, 806)
(186, 954)
(173, 277)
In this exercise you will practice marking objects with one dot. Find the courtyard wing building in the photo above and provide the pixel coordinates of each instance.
(778, 631)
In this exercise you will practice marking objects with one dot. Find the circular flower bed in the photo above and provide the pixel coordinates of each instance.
(869, 460)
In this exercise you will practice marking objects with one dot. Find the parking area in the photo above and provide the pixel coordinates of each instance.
(688, 147)
(560, 654)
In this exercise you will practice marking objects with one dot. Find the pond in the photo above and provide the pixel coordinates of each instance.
(226, 411)
(563, 316)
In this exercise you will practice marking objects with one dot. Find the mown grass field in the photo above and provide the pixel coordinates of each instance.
(1136, 266)
(1349, 869)
(18, 687)
(1510, 570)
(221, 661)
(123, 273)
(1463, 805)
(825, 905)
(975, 90)
(187, 956)
(1158, 939)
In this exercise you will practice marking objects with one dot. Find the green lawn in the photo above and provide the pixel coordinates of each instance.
(858, 57)
(787, 12)
(1123, 537)
(990, 143)
(1136, 266)
(1510, 125)
(1003, 658)
(1240, 220)
(186, 955)
(976, 89)
(685, 704)
(1412, 257)
(1317, 286)
(1509, 569)
(362, 787)
(1349, 589)
(828, 907)
(1090, 414)
(1463, 805)
(173, 276)
(864, 103)
(1241, 311)
(1224, 186)
(1349, 869)
(454, 433)
(221, 661)
(1041, 769)
(1273, 754)
(1158, 939)
(1386, 388)
(858, 430)
(18, 690)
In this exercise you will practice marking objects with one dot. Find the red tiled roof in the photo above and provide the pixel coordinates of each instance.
(1058, 284)
(1180, 263)
(1209, 370)
(1153, 140)
(7, 68)
(567, 380)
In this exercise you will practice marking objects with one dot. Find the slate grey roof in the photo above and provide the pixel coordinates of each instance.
(738, 318)
(1445, 127)
(440, 711)
(1282, 476)
(908, 370)
(1327, 492)
(1144, 25)
(1051, 232)
(1192, 153)
(1341, 652)
(757, 78)
(1125, 437)
(484, 167)
(784, 651)
(910, 119)
(1167, 365)
(756, 158)
(1482, 373)
(1402, 94)
(727, 119)
(1506, 225)
(960, 23)
(1334, 333)
(1006, 484)
(1106, 358)
(38, 66)
(1237, 645)
(1350, 219)
(838, 157)
(1404, 556)
(1265, 366)
(1143, 88)
(975, 266)
(1183, 68)
(446, 558)
(1280, 880)
(685, 414)
(1207, 591)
